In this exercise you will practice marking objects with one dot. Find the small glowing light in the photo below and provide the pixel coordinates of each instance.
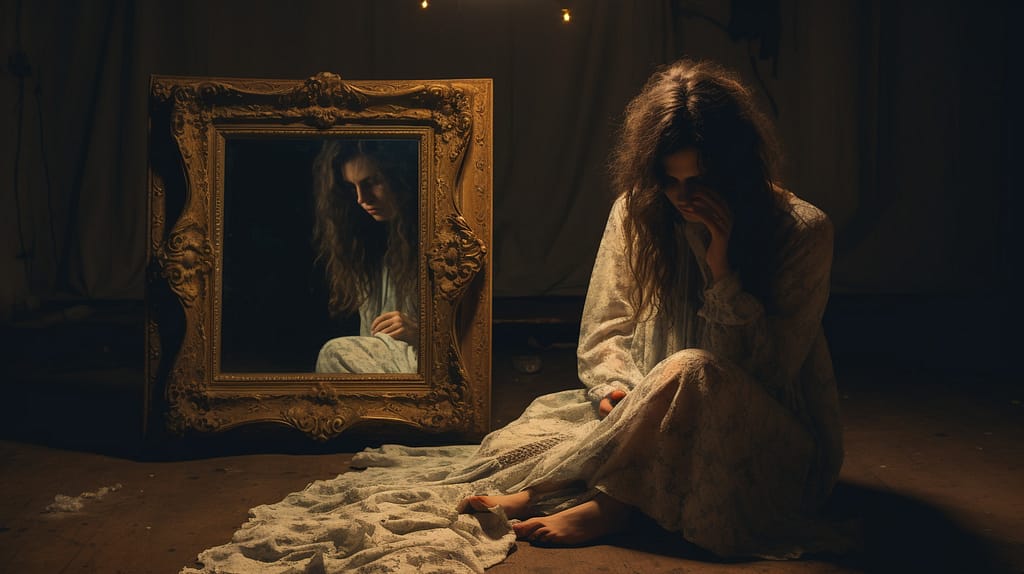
(566, 15)
(425, 4)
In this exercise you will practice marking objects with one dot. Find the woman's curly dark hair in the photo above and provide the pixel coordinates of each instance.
(352, 247)
(698, 105)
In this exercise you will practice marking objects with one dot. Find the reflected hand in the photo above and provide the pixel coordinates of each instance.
(398, 325)
(609, 401)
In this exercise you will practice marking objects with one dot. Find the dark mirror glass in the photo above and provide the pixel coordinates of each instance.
(321, 264)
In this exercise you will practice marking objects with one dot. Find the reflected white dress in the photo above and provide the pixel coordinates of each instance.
(368, 353)
(729, 435)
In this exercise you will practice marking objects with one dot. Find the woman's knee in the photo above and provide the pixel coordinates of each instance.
(686, 368)
(686, 365)
(691, 359)
(699, 375)
(329, 349)
(332, 355)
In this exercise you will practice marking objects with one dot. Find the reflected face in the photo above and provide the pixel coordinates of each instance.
(682, 179)
(371, 190)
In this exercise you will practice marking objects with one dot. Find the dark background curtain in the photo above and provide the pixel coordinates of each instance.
(896, 117)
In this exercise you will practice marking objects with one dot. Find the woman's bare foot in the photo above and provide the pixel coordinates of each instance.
(515, 505)
(586, 522)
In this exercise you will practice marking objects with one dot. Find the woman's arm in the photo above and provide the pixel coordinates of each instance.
(773, 347)
(801, 289)
(604, 354)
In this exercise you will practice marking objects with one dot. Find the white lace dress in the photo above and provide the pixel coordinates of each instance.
(369, 353)
(729, 435)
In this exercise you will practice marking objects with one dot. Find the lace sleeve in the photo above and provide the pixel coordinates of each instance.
(735, 325)
(773, 347)
(604, 354)
(801, 292)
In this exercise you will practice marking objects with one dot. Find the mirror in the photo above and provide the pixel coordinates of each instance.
(318, 254)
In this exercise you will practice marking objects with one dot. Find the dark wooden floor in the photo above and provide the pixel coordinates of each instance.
(934, 469)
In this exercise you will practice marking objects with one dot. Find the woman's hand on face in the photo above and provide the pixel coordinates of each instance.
(609, 401)
(708, 207)
(396, 324)
(692, 192)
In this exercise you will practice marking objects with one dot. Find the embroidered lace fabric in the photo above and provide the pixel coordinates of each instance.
(367, 353)
(729, 435)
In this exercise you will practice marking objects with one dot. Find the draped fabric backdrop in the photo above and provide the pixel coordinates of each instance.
(891, 114)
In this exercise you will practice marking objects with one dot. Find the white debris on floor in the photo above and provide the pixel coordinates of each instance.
(65, 503)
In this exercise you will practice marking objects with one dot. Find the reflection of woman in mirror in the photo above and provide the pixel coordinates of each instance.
(366, 235)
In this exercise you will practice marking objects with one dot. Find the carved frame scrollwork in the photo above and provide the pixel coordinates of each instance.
(186, 390)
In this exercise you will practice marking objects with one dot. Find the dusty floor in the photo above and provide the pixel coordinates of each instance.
(934, 471)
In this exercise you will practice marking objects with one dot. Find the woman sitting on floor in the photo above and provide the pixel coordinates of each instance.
(701, 345)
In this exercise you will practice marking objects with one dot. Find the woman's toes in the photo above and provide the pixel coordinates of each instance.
(475, 503)
(525, 530)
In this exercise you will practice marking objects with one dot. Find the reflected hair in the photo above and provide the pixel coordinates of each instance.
(699, 105)
(352, 247)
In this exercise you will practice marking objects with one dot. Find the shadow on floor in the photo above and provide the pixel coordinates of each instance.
(900, 535)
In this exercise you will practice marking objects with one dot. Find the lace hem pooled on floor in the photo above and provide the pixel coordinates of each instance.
(395, 518)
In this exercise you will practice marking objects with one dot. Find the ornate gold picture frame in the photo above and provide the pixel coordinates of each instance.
(204, 198)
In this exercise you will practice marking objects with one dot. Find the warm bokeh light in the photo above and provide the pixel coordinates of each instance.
(425, 4)
(566, 15)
